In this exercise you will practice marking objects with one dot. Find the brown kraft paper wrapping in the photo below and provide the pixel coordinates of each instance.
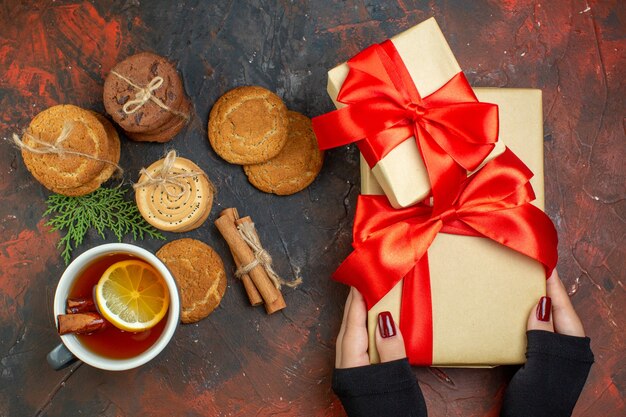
(481, 291)
(430, 62)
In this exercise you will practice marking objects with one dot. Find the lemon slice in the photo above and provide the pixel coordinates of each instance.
(132, 296)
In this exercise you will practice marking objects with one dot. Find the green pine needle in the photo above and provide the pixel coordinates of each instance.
(103, 210)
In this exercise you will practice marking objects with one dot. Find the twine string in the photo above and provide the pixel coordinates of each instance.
(163, 177)
(261, 257)
(65, 133)
(145, 94)
(56, 147)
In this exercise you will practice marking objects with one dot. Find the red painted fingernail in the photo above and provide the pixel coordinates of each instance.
(386, 326)
(544, 308)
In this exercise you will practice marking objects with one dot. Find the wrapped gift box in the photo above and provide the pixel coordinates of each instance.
(481, 291)
(401, 173)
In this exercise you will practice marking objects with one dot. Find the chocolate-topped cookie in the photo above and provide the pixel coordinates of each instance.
(166, 132)
(248, 125)
(143, 93)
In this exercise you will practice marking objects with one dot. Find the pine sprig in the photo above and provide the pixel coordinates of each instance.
(105, 209)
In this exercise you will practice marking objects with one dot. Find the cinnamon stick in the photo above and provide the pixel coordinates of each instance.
(231, 212)
(80, 323)
(251, 291)
(79, 305)
(244, 254)
(279, 303)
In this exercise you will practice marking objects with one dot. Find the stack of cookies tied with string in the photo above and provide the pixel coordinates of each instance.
(70, 150)
(174, 194)
(449, 232)
(145, 96)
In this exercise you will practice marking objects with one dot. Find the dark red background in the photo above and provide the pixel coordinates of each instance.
(240, 362)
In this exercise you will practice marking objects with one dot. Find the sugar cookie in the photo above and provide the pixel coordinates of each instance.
(199, 273)
(248, 125)
(297, 164)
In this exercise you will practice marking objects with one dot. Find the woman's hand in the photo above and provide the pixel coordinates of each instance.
(364, 389)
(555, 312)
(353, 341)
(559, 358)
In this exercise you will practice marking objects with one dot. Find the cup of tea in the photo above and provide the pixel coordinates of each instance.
(111, 348)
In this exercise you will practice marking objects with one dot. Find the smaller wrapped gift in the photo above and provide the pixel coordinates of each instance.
(403, 99)
(468, 305)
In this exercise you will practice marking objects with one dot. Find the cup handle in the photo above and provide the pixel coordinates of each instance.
(60, 357)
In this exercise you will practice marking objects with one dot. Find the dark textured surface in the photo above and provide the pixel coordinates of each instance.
(240, 362)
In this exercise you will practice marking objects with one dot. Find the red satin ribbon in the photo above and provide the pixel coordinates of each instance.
(391, 244)
(454, 131)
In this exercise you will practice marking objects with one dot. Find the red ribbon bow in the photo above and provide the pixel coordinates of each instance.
(454, 131)
(392, 244)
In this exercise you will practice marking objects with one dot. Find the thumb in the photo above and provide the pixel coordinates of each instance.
(566, 321)
(540, 317)
(389, 341)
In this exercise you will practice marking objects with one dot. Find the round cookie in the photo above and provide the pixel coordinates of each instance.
(248, 125)
(202, 218)
(141, 69)
(199, 273)
(169, 211)
(86, 135)
(168, 131)
(109, 169)
(297, 164)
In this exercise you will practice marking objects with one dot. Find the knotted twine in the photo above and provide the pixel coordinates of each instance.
(56, 146)
(261, 257)
(144, 94)
(163, 177)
